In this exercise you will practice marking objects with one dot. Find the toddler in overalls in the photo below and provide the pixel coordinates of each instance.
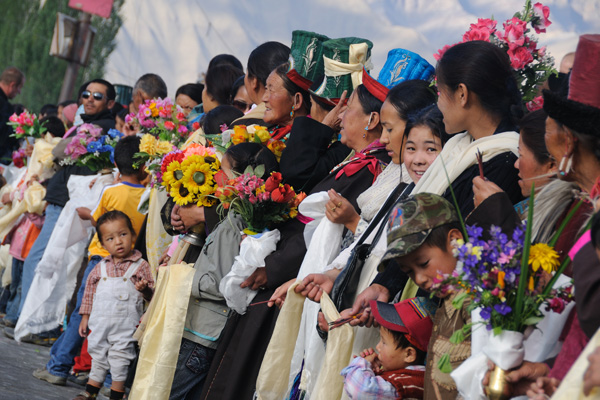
(112, 304)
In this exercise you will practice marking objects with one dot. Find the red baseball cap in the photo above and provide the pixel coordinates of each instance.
(413, 317)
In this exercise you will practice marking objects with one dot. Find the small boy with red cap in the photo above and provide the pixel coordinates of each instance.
(396, 370)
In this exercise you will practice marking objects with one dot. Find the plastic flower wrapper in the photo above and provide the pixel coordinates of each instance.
(531, 63)
(244, 134)
(262, 204)
(90, 148)
(189, 176)
(26, 125)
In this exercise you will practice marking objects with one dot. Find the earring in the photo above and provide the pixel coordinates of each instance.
(364, 135)
(566, 163)
(368, 123)
(292, 113)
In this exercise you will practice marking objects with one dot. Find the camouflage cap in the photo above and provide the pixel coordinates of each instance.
(412, 220)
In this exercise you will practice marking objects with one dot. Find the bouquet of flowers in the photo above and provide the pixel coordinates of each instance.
(26, 125)
(90, 148)
(260, 203)
(243, 134)
(189, 175)
(531, 63)
(508, 281)
(19, 158)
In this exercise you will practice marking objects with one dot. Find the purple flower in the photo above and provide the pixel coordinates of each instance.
(474, 232)
(485, 313)
(502, 309)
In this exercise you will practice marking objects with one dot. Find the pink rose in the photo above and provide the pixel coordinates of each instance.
(14, 118)
(441, 52)
(519, 57)
(486, 23)
(557, 305)
(535, 104)
(514, 32)
(477, 33)
(182, 129)
(540, 19)
(19, 130)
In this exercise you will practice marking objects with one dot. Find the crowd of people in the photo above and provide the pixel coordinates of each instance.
(346, 303)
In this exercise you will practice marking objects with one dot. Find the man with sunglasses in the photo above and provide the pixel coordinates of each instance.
(98, 99)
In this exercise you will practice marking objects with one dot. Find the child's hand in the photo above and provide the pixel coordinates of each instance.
(371, 356)
(83, 326)
(141, 285)
(84, 213)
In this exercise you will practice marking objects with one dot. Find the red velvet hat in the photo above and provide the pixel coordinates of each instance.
(375, 88)
(413, 317)
(580, 111)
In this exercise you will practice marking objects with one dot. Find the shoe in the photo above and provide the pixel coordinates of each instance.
(105, 391)
(39, 340)
(79, 378)
(84, 396)
(44, 375)
(9, 333)
(8, 323)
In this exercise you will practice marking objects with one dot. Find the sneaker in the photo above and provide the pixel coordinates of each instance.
(79, 378)
(8, 323)
(9, 333)
(44, 375)
(39, 340)
(84, 396)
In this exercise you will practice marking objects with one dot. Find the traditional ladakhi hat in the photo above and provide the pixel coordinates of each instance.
(344, 61)
(306, 58)
(401, 65)
(580, 110)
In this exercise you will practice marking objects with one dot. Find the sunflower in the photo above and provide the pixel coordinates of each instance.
(198, 174)
(180, 194)
(172, 175)
(544, 256)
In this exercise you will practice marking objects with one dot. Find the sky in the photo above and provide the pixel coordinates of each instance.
(177, 38)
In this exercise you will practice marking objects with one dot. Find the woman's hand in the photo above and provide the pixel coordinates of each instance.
(191, 215)
(339, 211)
(543, 388)
(332, 119)
(314, 285)
(280, 293)
(482, 189)
(361, 305)
(257, 280)
(521, 378)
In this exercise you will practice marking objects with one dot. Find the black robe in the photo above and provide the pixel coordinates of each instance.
(245, 338)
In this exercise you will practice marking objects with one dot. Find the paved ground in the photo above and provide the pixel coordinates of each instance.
(17, 363)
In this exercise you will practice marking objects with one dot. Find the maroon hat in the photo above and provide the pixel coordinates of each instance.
(411, 317)
(375, 88)
(580, 111)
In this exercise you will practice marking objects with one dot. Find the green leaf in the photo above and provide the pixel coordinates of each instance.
(259, 171)
(497, 330)
(249, 170)
(459, 300)
(457, 337)
(532, 320)
(444, 364)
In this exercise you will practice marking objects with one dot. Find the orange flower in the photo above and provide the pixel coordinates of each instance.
(531, 287)
(276, 147)
(283, 194)
(240, 134)
(298, 199)
(501, 276)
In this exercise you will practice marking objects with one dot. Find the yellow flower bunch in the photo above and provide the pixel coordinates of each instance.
(543, 256)
(153, 146)
(193, 180)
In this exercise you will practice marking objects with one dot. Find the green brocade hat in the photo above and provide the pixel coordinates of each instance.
(344, 60)
(306, 57)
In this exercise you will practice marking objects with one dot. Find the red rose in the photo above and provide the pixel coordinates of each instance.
(273, 181)
(441, 52)
(557, 305)
(535, 104)
(196, 126)
(486, 23)
(519, 57)
(169, 125)
(283, 194)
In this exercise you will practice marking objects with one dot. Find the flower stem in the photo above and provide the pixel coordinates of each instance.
(523, 277)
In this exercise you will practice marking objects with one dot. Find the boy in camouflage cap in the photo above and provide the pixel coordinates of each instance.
(420, 237)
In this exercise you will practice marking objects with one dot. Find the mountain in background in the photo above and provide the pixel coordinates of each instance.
(176, 39)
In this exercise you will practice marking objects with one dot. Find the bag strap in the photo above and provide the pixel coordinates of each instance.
(383, 212)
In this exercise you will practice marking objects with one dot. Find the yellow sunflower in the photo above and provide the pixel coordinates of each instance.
(544, 256)
(180, 194)
(198, 175)
(172, 175)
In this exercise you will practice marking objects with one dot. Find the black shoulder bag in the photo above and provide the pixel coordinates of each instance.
(346, 284)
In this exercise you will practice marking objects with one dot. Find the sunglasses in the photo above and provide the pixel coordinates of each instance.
(97, 95)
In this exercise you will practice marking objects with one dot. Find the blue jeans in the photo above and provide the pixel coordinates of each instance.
(68, 345)
(37, 251)
(192, 367)
(12, 307)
